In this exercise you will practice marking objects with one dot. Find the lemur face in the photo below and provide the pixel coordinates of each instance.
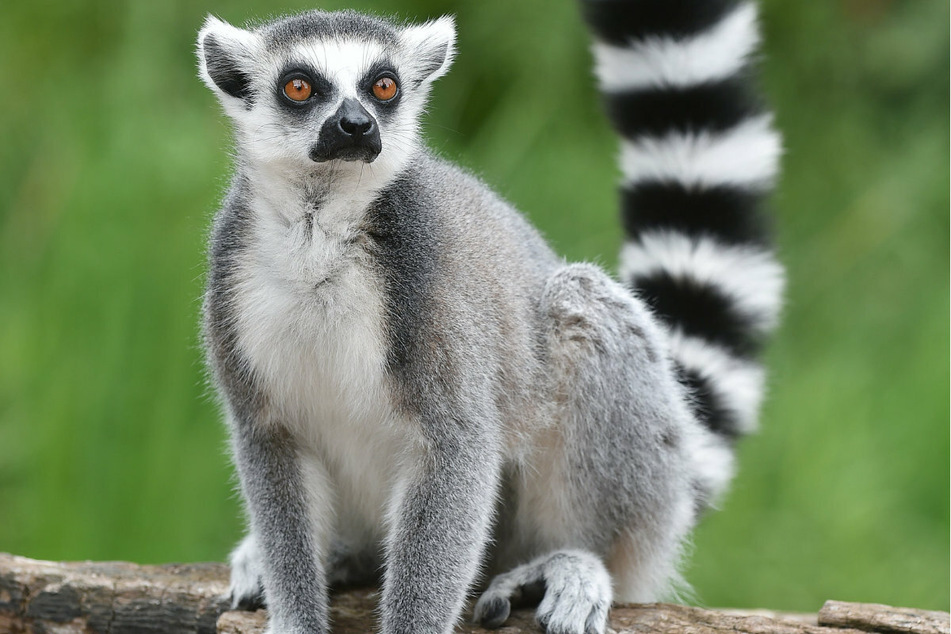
(325, 90)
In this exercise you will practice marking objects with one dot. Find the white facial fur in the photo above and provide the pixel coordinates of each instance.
(272, 139)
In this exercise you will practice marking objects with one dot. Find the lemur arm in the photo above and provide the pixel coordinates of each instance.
(440, 526)
(273, 481)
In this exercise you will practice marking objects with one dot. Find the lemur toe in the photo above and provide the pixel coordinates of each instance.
(492, 610)
(246, 590)
(597, 620)
(574, 610)
(249, 602)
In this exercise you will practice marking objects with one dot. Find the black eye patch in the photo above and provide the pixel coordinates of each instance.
(385, 110)
(379, 69)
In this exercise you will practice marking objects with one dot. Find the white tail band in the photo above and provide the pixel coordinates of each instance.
(747, 155)
(712, 55)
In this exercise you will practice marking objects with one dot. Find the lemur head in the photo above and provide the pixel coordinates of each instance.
(325, 89)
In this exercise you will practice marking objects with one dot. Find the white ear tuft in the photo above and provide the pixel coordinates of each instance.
(432, 45)
(224, 55)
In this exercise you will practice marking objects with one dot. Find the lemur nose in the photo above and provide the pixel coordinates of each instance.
(356, 125)
(350, 134)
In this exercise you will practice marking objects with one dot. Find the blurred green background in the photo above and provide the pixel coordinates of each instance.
(113, 156)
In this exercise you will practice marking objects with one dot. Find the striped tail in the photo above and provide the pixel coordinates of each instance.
(698, 155)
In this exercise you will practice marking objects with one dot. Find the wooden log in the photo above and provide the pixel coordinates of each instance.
(872, 617)
(42, 597)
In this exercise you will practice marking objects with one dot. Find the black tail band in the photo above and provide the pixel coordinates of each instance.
(700, 310)
(712, 106)
(731, 215)
(621, 21)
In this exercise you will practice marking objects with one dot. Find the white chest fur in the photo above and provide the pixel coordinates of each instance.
(309, 318)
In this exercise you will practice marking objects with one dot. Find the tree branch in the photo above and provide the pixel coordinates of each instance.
(872, 617)
(122, 598)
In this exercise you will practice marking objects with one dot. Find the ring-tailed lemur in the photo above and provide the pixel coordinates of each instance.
(417, 387)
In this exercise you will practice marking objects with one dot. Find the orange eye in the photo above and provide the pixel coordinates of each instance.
(298, 90)
(384, 89)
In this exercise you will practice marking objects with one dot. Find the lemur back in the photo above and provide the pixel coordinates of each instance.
(417, 388)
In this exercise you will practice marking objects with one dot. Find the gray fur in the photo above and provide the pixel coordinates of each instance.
(571, 587)
(408, 369)
(267, 462)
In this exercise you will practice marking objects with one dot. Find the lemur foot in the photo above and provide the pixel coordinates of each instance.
(574, 588)
(247, 590)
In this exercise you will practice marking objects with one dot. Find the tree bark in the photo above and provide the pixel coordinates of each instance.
(45, 597)
(872, 617)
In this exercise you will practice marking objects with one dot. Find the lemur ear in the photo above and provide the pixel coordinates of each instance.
(224, 54)
(432, 46)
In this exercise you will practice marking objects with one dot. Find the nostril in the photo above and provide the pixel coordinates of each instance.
(356, 126)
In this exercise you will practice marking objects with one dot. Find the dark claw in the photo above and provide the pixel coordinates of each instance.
(543, 622)
(250, 602)
(495, 613)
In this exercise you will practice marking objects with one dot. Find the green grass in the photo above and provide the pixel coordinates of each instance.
(113, 157)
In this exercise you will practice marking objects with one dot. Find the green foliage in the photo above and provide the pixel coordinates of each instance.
(113, 157)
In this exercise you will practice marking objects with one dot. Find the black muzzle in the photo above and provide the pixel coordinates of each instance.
(350, 134)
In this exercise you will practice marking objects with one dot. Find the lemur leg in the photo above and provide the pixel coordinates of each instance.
(611, 476)
(347, 566)
(571, 587)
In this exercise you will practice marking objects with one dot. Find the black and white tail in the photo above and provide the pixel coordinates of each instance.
(698, 155)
